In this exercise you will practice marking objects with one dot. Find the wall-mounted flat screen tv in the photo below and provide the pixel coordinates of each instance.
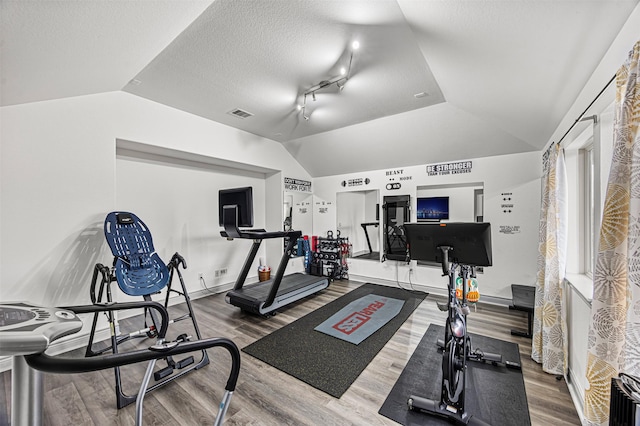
(430, 209)
(242, 199)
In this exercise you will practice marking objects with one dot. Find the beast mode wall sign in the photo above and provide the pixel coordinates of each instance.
(449, 168)
(394, 176)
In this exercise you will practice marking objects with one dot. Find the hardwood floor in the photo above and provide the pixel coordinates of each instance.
(267, 396)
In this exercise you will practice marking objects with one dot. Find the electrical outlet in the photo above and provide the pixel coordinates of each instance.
(220, 272)
(200, 275)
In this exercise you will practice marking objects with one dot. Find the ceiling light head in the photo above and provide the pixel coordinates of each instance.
(343, 71)
(313, 96)
(355, 45)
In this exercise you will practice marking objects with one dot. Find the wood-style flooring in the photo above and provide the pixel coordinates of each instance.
(267, 396)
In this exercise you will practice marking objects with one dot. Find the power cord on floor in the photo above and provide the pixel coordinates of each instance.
(204, 284)
(411, 289)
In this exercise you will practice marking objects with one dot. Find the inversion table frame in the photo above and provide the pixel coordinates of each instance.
(139, 271)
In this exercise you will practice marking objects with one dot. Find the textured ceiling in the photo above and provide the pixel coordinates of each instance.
(58, 49)
(262, 56)
(499, 75)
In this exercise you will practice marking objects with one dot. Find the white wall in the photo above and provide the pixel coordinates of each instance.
(514, 255)
(180, 206)
(60, 177)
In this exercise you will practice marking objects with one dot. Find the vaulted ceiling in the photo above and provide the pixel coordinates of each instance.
(431, 81)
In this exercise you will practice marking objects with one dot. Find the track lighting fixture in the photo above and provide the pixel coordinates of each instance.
(303, 107)
(338, 80)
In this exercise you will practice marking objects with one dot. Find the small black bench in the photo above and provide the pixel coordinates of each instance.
(523, 298)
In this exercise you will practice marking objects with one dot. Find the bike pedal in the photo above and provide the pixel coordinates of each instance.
(444, 307)
(161, 374)
(152, 333)
(184, 362)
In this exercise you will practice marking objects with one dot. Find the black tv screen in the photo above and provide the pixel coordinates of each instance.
(432, 208)
(240, 197)
(470, 242)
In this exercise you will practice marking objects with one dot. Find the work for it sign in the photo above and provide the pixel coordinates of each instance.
(298, 185)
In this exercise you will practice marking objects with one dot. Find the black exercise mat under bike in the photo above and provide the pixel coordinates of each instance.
(494, 393)
(325, 362)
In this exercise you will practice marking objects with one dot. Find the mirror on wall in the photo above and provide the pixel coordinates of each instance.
(288, 211)
(357, 215)
(395, 213)
(297, 212)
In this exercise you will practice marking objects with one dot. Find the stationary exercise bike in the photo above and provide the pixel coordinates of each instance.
(468, 245)
(456, 348)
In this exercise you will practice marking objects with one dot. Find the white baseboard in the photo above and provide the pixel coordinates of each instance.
(78, 341)
(576, 395)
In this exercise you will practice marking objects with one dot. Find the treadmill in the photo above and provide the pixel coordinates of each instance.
(265, 297)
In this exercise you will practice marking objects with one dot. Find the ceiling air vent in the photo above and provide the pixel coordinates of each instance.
(240, 113)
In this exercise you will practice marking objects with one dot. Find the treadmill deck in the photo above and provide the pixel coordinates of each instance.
(295, 286)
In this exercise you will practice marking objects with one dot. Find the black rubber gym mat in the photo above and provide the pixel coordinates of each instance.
(323, 361)
(495, 394)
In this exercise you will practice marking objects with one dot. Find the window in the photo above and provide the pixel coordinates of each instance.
(589, 232)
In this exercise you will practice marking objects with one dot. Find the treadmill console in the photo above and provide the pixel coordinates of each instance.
(27, 329)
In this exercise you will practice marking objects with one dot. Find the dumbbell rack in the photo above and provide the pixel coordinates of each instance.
(330, 257)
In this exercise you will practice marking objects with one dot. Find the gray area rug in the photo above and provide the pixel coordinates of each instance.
(495, 394)
(323, 361)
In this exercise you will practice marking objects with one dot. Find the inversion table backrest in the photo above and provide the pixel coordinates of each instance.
(139, 270)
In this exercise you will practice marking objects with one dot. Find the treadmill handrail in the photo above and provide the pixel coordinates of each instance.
(284, 260)
(231, 230)
(366, 233)
(260, 234)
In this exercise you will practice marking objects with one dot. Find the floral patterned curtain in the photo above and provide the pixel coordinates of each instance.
(549, 341)
(614, 332)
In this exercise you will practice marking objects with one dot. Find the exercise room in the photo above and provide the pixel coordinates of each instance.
(268, 212)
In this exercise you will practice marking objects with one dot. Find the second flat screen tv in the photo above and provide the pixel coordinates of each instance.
(431, 209)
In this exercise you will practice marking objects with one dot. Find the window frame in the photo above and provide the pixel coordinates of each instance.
(587, 206)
